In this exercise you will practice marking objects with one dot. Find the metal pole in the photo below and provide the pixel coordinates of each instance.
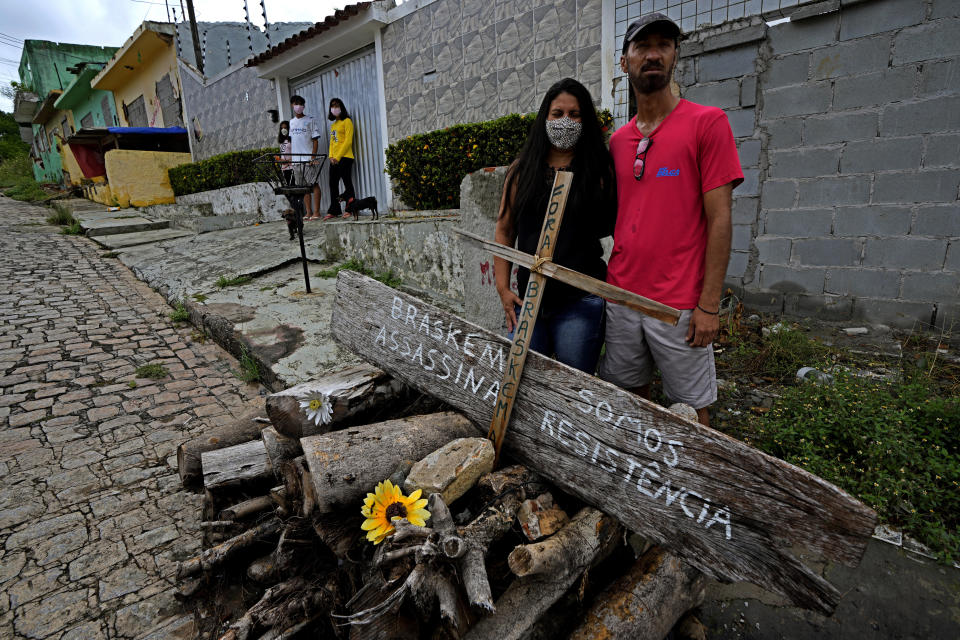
(196, 36)
(303, 249)
(167, 3)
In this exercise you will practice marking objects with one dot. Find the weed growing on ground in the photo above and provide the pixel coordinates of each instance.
(180, 313)
(224, 282)
(388, 278)
(779, 355)
(61, 215)
(73, 229)
(155, 371)
(199, 297)
(132, 384)
(26, 190)
(198, 336)
(249, 368)
(110, 254)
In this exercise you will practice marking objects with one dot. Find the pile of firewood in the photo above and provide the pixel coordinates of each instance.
(503, 554)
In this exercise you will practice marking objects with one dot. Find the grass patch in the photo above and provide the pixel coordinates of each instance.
(179, 313)
(154, 371)
(132, 384)
(249, 368)
(73, 229)
(199, 297)
(26, 190)
(61, 216)
(223, 281)
(388, 278)
(777, 356)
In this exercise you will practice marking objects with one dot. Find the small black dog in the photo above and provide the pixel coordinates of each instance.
(291, 218)
(359, 204)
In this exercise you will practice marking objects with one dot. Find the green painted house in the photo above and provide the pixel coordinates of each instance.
(90, 107)
(50, 70)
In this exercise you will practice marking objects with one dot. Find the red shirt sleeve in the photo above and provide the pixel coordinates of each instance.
(718, 159)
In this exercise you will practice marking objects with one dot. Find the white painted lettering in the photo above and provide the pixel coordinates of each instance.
(561, 431)
(418, 356)
(611, 467)
(424, 324)
(397, 309)
(493, 391)
(683, 502)
(648, 471)
(586, 407)
(547, 422)
(606, 409)
(446, 367)
(411, 315)
(472, 382)
(646, 440)
(433, 363)
(723, 517)
(488, 354)
(393, 339)
(381, 335)
(467, 345)
(673, 452)
(406, 347)
(452, 336)
(583, 448)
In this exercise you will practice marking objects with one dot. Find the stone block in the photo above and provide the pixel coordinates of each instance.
(749, 151)
(773, 250)
(751, 183)
(934, 185)
(852, 58)
(827, 252)
(786, 70)
(742, 122)
(799, 223)
(778, 194)
(905, 253)
(824, 307)
(952, 263)
(896, 313)
(940, 78)
(834, 191)
(804, 163)
(942, 151)
(784, 133)
(928, 41)
(871, 283)
(748, 91)
(935, 287)
(872, 220)
(797, 100)
(941, 220)
(727, 63)
(737, 266)
(934, 115)
(879, 87)
(763, 301)
(807, 34)
(881, 154)
(791, 280)
(879, 16)
(745, 209)
(944, 9)
(452, 469)
(842, 127)
(742, 235)
(723, 94)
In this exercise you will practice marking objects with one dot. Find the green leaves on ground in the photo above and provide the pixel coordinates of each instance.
(154, 371)
(179, 313)
(223, 281)
(388, 278)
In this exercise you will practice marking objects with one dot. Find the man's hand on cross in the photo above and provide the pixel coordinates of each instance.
(510, 302)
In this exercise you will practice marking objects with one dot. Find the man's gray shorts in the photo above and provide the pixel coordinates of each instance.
(637, 344)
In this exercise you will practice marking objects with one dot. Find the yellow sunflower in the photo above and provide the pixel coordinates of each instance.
(387, 504)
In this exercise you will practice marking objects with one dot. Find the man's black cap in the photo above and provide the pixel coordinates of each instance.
(649, 21)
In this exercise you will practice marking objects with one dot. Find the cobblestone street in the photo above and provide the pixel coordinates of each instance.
(92, 515)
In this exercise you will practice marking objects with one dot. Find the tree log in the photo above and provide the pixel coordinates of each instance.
(726, 508)
(243, 429)
(345, 465)
(646, 602)
(219, 554)
(339, 531)
(580, 537)
(280, 448)
(236, 465)
(247, 508)
(351, 389)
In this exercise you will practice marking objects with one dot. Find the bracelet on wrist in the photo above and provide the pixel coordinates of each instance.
(709, 313)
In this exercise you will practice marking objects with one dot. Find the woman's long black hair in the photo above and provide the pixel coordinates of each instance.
(343, 110)
(280, 137)
(593, 173)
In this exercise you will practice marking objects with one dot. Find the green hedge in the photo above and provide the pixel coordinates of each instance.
(217, 172)
(427, 168)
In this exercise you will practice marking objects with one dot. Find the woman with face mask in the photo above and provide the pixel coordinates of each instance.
(341, 158)
(565, 136)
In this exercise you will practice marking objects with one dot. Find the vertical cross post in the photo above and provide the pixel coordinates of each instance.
(527, 318)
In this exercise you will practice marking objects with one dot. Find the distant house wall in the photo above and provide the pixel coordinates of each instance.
(161, 66)
(456, 61)
(228, 112)
(139, 178)
(93, 105)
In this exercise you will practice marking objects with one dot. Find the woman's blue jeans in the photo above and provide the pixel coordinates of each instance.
(572, 334)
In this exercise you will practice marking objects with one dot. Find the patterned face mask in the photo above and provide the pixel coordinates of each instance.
(564, 132)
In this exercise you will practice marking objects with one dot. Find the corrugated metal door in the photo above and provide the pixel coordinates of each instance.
(353, 79)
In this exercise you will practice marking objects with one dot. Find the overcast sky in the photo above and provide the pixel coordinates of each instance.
(110, 22)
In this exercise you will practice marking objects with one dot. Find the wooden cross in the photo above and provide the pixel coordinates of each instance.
(542, 267)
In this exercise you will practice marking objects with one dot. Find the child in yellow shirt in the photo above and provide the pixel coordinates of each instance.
(341, 157)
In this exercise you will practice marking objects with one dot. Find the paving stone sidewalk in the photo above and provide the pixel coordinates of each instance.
(92, 516)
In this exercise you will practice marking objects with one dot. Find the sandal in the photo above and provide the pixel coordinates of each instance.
(329, 216)
(347, 216)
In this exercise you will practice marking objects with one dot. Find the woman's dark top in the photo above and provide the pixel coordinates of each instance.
(587, 217)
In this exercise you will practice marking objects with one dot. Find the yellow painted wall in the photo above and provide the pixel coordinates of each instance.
(99, 192)
(156, 63)
(70, 165)
(139, 178)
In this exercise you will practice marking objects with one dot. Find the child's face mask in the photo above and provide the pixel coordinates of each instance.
(335, 112)
(298, 109)
(284, 131)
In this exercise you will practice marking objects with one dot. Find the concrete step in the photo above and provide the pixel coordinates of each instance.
(120, 224)
(124, 240)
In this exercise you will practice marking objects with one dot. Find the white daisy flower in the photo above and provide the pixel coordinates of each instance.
(317, 407)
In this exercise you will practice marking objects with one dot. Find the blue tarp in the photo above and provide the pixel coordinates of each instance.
(154, 130)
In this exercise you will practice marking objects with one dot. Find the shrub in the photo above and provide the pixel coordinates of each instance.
(427, 168)
(180, 313)
(13, 170)
(26, 190)
(224, 170)
(60, 216)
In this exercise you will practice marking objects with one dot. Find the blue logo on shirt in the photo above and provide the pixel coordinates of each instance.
(663, 172)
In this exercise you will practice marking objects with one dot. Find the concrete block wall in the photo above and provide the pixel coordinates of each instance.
(851, 143)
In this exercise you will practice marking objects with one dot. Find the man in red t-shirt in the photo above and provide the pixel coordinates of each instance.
(676, 165)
